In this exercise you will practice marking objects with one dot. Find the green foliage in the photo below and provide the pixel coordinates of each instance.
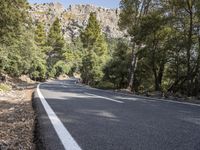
(55, 37)
(13, 16)
(18, 56)
(73, 54)
(55, 40)
(14, 44)
(165, 44)
(61, 68)
(131, 11)
(96, 52)
(92, 32)
(38, 69)
(112, 44)
(20, 44)
(105, 85)
(117, 69)
(154, 53)
(22, 47)
(40, 35)
(91, 71)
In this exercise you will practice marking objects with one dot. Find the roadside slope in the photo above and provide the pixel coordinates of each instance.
(16, 120)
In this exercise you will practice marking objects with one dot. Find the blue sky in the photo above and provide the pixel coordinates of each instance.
(66, 3)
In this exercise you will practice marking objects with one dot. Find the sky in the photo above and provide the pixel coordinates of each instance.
(66, 3)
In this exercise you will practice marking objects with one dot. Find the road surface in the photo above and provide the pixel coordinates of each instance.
(75, 117)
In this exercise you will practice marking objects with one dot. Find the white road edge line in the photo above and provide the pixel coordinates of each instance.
(67, 140)
(177, 102)
(147, 98)
(102, 97)
(153, 99)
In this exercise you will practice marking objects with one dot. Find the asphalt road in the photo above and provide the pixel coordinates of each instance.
(102, 120)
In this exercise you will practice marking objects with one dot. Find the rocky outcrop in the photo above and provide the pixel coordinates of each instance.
(75, 18)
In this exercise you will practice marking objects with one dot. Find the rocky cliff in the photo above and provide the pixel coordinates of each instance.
(75, 18)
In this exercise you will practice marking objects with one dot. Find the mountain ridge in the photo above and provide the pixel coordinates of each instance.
(74, 18)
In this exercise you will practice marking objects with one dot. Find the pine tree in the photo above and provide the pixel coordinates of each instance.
(92, 32)
(16, 40)
(38, 68)
(56, 41)
(73, 55)
(96, 54)
(55, 37)
(13, 16)
(116, 70)
(40, 35)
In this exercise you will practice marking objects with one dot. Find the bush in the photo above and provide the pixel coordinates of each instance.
(105, 85)
(38, 70)
(60, 68)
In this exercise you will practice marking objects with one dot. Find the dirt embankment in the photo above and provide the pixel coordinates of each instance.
(17, 116)
(16, 120)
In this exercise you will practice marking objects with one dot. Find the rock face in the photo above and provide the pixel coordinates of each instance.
(75, 18)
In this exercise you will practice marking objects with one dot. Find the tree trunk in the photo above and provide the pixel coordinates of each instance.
(157, 80)
(160, 76)
(189, 77)
(196, 78)
(133, 68)
(157, 86)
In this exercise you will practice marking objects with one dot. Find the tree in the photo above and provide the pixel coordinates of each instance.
(165, 39)
(92, 32)
(55, 37)
(38, 69)
(56, 41)
(13, 16)
(131, 13)
(73, 55)
(16, 37)
(116, 70)
(40, 35)
(186, 23)
(96, 52)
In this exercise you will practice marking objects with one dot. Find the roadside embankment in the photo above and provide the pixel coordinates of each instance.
(17, 117)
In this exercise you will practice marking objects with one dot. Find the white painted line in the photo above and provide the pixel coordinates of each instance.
(67, 140)
(177, 102)
(161, 100)
(157, 100)
(151, 99)
(110, 99)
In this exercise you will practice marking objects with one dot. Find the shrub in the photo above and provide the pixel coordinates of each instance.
(105, 85)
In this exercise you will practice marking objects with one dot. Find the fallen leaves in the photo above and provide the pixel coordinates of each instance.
(16, 120)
